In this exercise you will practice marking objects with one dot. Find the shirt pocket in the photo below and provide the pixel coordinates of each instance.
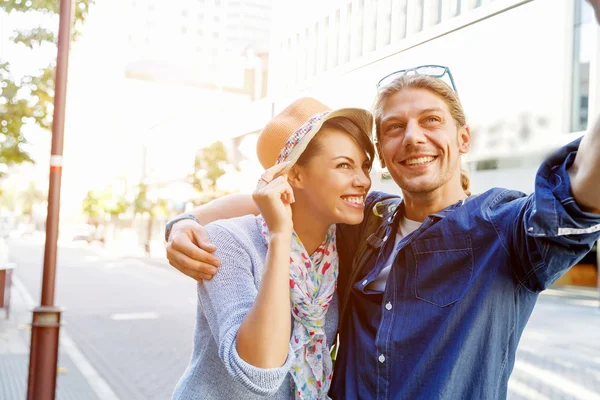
(443, 268)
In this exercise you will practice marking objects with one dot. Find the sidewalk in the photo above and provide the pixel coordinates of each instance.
(76, 379)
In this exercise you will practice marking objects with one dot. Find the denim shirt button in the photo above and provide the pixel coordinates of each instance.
(388, 306)
(365, 282)
(382, 358)
(530, 229)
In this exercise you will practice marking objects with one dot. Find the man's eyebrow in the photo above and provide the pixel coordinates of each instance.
(433, 109)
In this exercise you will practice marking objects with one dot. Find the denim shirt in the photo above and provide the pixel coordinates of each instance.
(460, 291)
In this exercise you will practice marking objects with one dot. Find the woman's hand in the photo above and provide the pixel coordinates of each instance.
(274, 196)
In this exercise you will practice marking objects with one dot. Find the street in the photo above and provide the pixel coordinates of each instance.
(133, 319)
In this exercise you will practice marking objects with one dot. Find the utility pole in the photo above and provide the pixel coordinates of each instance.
(45, 324)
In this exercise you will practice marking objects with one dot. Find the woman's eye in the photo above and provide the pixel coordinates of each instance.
(344, 165)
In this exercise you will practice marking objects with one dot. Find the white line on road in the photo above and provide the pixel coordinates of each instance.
(93, 378)
(553, 379)
(522, 389)
(134, 316)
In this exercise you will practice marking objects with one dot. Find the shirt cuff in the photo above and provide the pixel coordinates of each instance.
(556, 212)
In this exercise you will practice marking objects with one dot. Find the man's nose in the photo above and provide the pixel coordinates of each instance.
(414, 134)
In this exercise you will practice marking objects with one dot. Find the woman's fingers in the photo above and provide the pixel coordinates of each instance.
(274, 171)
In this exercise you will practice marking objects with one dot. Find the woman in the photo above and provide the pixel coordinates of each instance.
(317, 165)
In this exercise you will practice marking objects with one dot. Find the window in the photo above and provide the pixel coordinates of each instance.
(583, 32)
(418, 16)
(398, 20)
(334, 41)
(434, 10)
(358, 29)
(321, 38)
(370, 26)
(474, 4)
(301, 55)
(384, 23)
(455, 8)
(345, 29)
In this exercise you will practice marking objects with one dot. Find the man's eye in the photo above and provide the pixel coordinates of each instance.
(433, 119)
(393, 127)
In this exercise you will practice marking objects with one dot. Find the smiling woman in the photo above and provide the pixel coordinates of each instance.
(317, 165)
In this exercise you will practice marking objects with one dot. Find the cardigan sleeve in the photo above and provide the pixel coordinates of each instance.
(225, 301)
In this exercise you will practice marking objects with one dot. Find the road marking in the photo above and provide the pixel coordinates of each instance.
(134, 316)
(553, 379)
(93, 378)
(524, 390)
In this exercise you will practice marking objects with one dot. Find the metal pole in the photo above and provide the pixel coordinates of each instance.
(46, 318)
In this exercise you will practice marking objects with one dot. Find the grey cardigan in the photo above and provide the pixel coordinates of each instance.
(216, 371)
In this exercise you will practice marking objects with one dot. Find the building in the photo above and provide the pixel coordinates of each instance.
(527, 72)
(198, 42)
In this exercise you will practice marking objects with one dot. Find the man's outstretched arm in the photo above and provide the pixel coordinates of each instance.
(188, 246)
(584, 173)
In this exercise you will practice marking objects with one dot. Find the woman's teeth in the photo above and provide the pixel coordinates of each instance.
(354, 199)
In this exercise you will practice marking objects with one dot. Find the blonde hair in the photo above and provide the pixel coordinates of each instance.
(437, 87)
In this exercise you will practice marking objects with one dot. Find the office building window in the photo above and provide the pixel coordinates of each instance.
(334, 41)
(324, 44)
(358, 29)
(370, 26)
(398, 20)
(384, 23)
(345, 33)
(434, 12)
(301, 54)
(583, 32)
(418, 14)
(475, 3)
(455, 8)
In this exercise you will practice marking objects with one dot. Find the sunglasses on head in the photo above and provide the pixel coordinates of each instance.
(435, 71)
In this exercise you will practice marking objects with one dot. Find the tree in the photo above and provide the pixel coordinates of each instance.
(31, 197)
(208, 166)
(92, 207)
(30, 98)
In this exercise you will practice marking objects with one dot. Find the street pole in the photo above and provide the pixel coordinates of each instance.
(45, 324)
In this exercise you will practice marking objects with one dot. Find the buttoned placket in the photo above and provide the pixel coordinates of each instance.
(386, 326)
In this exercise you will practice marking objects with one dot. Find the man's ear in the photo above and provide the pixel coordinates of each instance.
(464, 139)
(380, 154)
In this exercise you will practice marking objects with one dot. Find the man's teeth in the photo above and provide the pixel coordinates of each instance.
(418, 161)
(354, 199)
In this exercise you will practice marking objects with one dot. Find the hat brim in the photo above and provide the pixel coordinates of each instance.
(360, 117)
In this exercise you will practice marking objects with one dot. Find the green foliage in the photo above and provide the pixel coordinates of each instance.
(31, 197)
(208, 166)
(144, 204)
(92, 207)
(30, 99)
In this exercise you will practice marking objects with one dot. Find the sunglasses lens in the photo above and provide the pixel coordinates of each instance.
(436, 72)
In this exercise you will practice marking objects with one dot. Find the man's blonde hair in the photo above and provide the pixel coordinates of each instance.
(434, 85)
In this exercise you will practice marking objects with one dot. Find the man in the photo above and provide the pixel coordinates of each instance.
(438, 313)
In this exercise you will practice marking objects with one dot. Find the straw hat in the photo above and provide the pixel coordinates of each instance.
(286, 136)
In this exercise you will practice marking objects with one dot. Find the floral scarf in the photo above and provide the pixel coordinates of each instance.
(313, 281)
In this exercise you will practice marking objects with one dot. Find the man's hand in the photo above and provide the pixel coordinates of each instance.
(189, 250)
